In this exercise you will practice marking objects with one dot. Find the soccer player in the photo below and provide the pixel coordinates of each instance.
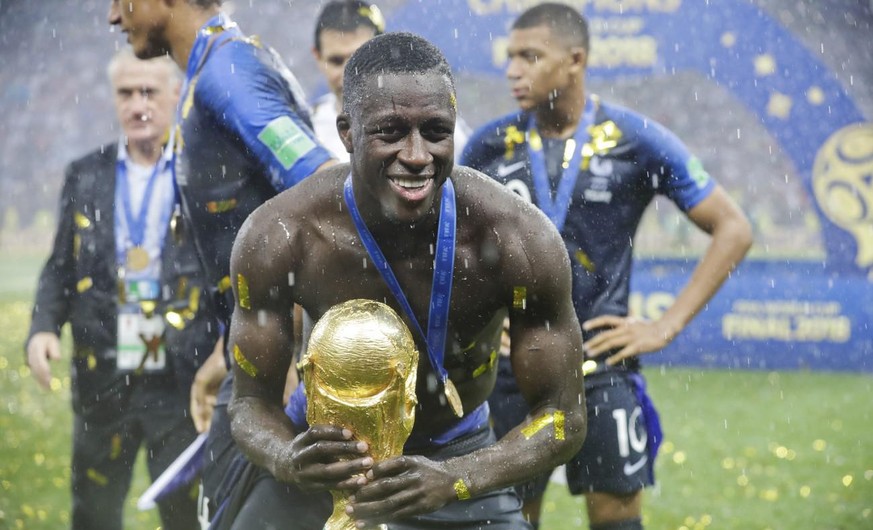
(242, 135)
(369, 230)
(593, 168)
(341, 28)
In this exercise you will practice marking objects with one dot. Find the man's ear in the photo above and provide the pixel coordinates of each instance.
(344, 128)
(578, 59)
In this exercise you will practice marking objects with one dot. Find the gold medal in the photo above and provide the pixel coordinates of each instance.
(137, 258)
(454, 398)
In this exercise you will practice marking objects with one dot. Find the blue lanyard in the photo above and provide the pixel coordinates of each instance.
(136, 226)
(557, 210)
(219, 25)
(444, 262)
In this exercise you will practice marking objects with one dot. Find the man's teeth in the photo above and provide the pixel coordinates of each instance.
(410, 184)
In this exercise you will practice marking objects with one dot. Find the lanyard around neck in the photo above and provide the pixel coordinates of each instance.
(136, 225)
(557, 210)
(441, 290)
(217, 27)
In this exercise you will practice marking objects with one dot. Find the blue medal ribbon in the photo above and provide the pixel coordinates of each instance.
(557, 210)
(217, 27)
(444, 262)
(136, 225)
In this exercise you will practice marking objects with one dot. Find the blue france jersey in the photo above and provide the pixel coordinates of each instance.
(245, 135)
(633, 159)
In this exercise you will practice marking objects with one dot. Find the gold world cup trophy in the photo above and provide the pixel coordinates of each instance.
(359, 373)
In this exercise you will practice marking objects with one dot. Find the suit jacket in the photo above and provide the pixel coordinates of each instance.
(79, 285)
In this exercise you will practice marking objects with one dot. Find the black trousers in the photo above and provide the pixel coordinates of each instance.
(104, 452)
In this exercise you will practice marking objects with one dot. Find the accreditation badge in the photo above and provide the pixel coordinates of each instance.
(140, 332)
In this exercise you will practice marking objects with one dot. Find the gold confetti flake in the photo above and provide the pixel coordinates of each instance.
(97, 477)
(519, 297)
(244, 363)
(77, 246)
(604, 138)
(175, 319)
(550, 418)
(461, 490)
(224, 284)
(84, 284)
(484, 367)
(81, 221)
(194, 299)
(584, 260)
(374, 14)
(513, 137)
(115, 447)
(221, 206)
(242, 289)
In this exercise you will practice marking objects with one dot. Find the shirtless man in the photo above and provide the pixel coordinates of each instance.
(318, 245)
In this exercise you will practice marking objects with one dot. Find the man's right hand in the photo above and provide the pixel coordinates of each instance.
(325, 457)
(43, 347)
(204, 389)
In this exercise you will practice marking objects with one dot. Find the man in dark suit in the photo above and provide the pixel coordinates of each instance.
(116, 267)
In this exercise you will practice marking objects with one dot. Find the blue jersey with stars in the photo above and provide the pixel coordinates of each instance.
(634, 158)
(244, 136)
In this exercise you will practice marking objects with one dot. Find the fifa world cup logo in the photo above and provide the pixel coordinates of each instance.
(359, 373)
(843, 185)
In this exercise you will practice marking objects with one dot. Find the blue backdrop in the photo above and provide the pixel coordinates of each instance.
(774, 314)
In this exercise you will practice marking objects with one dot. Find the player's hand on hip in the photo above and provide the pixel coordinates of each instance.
(401, 487)
(629, 335)
(43, 347)
(325, 457)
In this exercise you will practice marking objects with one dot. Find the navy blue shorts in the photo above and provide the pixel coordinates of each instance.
(614, 457)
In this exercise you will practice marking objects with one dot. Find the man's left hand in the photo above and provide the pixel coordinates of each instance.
(401, 487)
(631, 336)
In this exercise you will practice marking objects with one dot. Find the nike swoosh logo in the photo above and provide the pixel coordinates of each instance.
(630, 469)
(503, 171)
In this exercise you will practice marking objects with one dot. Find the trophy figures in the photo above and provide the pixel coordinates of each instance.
(359, 373)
